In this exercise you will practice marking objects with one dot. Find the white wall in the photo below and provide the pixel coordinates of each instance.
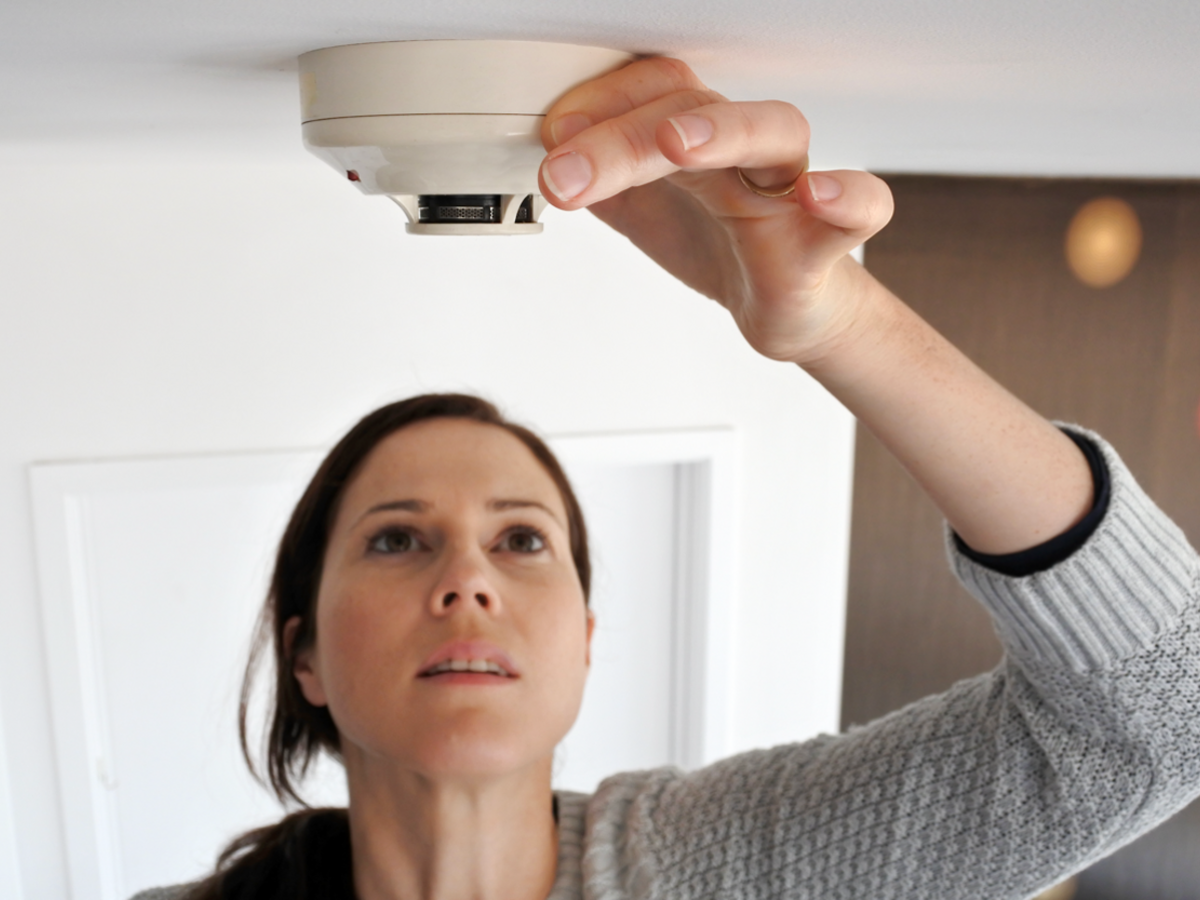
(153, 308)
(10, 867)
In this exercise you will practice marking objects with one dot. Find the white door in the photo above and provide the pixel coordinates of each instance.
(152, 575)
(626, 719)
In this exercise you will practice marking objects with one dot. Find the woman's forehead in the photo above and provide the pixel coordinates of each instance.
(452, 459)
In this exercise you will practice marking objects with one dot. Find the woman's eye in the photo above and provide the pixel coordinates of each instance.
(523, 540)
(393, 541)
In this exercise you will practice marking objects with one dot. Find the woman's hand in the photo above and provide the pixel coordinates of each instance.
(654, 153)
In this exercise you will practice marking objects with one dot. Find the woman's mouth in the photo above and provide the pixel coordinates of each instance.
(479, 666)
(469, 662)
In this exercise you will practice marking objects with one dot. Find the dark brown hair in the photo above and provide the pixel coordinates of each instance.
(299, 731)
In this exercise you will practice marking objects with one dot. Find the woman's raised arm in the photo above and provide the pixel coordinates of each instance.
(655, 154)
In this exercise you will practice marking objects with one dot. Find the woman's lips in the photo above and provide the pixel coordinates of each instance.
(477, 678)
(469, 662)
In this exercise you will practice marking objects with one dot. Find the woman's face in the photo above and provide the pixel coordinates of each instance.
(449, 552)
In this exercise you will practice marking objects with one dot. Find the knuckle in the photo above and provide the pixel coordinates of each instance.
(793, 117)
(747, 125)
(884, 204)
(766, 122)
(637, 143)
(680, 73)
(693, 99)
(877, 212)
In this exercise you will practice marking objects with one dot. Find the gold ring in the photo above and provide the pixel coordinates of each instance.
(754, 188)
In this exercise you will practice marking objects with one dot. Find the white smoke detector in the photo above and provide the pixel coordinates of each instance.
(450, 130)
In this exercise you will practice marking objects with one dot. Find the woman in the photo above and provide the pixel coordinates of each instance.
(441, 637)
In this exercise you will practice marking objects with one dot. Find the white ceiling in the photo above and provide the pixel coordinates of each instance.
(1102, 87)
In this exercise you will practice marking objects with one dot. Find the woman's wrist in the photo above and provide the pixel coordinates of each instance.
(861, 316)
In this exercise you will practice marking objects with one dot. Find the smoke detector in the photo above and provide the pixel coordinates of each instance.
(450, 130)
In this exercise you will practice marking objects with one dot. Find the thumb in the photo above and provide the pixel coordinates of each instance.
(855, 205)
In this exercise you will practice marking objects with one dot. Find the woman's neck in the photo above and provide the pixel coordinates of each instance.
(418, 839)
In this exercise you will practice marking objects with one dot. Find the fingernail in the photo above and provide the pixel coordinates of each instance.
(565, 128)
(692, 130)
(568, 175)
(824, 187)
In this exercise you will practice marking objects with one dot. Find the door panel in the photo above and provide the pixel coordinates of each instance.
(153, 572)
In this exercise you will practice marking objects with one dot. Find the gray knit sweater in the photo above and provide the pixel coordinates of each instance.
(1085, 736)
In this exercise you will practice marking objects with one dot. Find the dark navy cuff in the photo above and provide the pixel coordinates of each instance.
(1052, 552)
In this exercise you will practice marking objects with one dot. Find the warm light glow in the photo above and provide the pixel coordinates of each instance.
(1104, 241)
(1064, 891)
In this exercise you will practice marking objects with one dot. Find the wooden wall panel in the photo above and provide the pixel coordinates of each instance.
(982, 259)
(1174, 476)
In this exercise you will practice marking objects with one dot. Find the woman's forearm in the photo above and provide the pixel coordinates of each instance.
(1004, 477)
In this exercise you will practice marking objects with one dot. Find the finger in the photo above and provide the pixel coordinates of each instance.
(857, 203)
(682, 130)
(642, 81)
(614, 154)
(852, 205)
(767, 140)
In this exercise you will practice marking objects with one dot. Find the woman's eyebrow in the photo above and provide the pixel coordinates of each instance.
(419, 506)
(392, 505)
(507, 503)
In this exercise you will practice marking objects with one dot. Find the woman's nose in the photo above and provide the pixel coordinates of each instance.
(464, 582)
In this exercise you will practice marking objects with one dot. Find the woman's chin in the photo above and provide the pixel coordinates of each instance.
(474, 757)
(468, 743)
(482, 768)
(469, 758)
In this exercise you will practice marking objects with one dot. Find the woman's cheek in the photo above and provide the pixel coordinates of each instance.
(357, 633)
(570, 665)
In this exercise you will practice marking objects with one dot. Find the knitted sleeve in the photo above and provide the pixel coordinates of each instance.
(1086, 735)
